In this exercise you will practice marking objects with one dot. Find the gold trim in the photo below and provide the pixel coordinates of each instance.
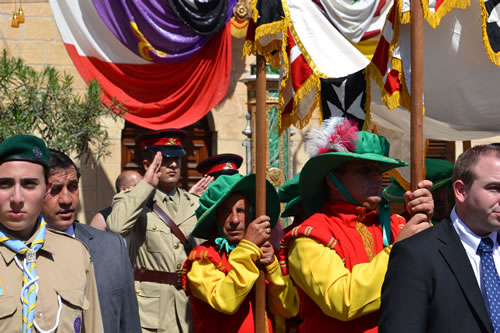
(494, 57)
(367, 239)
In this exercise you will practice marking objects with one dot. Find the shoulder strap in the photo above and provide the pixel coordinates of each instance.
(168, 221)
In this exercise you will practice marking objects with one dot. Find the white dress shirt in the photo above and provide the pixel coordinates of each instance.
(471, 241)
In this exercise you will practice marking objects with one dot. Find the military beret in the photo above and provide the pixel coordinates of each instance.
(23, 147)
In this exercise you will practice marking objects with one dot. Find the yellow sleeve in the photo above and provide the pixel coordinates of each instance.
(225, 293)
(340, 294)
(282, 294)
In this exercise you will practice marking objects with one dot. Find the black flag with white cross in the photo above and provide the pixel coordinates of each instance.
(492, 24)
(345, 97)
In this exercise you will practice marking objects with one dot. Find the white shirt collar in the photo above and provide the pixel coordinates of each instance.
(469, 239)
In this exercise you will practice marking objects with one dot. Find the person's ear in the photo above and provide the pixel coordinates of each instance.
(146, 164)
(460, 191)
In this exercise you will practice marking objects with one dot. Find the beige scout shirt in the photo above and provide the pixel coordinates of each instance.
(64, 267)
(153, 246)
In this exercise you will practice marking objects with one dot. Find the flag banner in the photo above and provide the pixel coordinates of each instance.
(299, 87)
(458, 91)
(152, 29)
(359, 21)
(204, 17)
(307, 55)
(386, 66)
(265, 31)
(157, 95)
(345, 97)
(490, 14)
(433, 10)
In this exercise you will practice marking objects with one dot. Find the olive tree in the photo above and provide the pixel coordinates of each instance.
(44, 103)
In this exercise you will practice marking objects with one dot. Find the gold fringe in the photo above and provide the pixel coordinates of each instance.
(434, 19)
(255, 12)
(270, 50)
(248, 48)
(312, 82)
(303, 50)
(445, 8)
(494, 57)
(284, 80)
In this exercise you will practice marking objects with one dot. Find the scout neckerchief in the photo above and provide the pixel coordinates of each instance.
(30, 288)
(384, 211)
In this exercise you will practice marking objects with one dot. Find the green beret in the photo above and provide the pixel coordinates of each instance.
(23, 147)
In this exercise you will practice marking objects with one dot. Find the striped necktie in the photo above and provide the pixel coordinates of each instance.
(491, 281)
(30, 287)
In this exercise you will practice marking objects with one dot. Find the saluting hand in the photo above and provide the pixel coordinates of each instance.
(201, 185)
(259, 230)
(153, 173)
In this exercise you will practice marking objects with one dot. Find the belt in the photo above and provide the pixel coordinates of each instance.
(172, 278)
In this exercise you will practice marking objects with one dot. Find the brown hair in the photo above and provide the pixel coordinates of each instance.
(466, 162)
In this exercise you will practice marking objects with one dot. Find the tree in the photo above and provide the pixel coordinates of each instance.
(44, 104)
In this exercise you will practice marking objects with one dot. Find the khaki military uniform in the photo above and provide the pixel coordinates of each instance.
(64, 267)
(153, 246)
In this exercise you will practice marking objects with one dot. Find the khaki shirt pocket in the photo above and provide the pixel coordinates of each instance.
(148, 298)
(155, 240)
(8, 306)
(74, 302)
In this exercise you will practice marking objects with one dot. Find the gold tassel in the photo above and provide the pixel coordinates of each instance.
(20, 15)
(15, 21)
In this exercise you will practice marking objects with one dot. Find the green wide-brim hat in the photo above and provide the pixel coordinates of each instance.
(440, 172)
(219, 190)
(289, 194)
(312, 184)
(292, 208)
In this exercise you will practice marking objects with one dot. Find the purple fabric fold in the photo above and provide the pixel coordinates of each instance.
(152, 30)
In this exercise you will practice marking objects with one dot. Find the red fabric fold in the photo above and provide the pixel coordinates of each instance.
(164, 95)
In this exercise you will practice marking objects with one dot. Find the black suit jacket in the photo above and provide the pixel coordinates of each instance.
(430, 286)
(114, 279)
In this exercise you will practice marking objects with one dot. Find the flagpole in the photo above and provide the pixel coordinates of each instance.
(417, 74)
(260, 168)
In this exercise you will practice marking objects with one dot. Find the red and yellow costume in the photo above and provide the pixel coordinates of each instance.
(221, 288)
(338, 262)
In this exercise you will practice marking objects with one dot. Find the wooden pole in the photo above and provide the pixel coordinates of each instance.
(417, 84)
(260, 168)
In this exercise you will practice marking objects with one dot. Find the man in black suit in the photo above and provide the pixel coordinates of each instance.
(439, 280)
(112, 267)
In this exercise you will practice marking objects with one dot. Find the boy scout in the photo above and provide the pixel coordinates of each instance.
(157, 218)
(51, 271)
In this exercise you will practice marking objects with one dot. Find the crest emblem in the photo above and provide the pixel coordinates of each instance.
(37, 152)
(171, 142)
(228, 166)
